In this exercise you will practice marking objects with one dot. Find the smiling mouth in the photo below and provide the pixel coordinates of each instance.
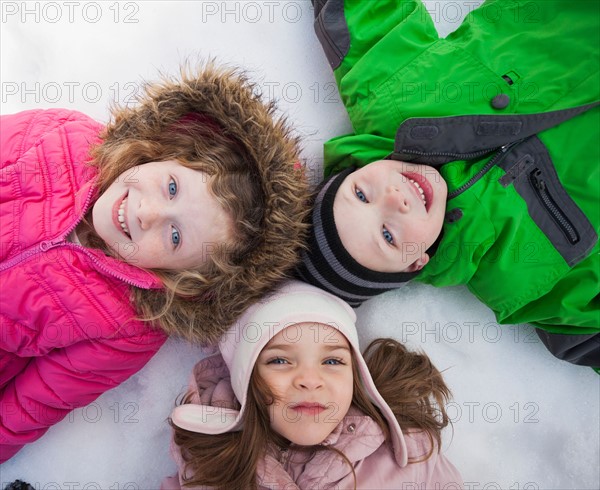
(121, 217)
(422, 186)
(421, 191)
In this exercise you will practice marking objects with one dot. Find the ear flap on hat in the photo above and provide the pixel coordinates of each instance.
(206, 419)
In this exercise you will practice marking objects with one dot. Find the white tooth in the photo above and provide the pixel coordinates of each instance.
(121, 218)
(121, 212)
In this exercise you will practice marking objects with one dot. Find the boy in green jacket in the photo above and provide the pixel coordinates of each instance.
(474, 160)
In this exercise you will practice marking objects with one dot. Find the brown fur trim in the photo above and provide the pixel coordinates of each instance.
(226, 96)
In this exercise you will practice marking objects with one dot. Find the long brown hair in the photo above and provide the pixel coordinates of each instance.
(212, 119)
(229, 461)
(409, 383)
(412, 387)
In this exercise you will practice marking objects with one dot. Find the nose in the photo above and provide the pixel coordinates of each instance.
(149, 213)
(308, 379)
(396, 200)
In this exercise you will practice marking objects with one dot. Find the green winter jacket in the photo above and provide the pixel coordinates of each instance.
(504, 107)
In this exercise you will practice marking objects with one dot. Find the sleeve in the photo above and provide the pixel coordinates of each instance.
(444, 474)
(13, 130)
(177, 482)
(356, 150)
(174, 482)
(366, 44)
(52, 385)
(348, 30)
(20, 131)
(170, 483)
(436, 471)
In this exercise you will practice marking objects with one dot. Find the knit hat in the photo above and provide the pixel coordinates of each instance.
(295, 302)
(328, 265)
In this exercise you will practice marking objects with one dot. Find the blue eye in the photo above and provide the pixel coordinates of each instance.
(172, 188)
(333, 362)
(175, 236)
(387, 236)
(277, 360)
(360, 195)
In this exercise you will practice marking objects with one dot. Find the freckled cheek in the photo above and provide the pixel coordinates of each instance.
(150, 250)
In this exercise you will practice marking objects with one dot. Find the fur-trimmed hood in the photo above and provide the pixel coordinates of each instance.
(232, 106)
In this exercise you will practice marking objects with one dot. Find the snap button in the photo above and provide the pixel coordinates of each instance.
(454, 215)
(351, 428)
(500, 101)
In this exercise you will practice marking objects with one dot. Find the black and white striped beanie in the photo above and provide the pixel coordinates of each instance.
(328, 265)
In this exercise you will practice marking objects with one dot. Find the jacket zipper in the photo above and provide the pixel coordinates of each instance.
(539, 185)
(107, 270)
(49, 244)
(497, 158)
(41, 247)
(462, 156)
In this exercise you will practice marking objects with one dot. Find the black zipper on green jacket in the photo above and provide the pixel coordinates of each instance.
(539, 185)
(458, 156)
(497, 158)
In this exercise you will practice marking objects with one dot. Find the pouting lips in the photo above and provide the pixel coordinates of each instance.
(309, 408)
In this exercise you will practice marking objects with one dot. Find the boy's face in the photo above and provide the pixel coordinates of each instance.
(308, 367)
(161, 215)
(389, 213)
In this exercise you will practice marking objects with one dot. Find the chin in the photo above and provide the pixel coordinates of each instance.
(307, 439)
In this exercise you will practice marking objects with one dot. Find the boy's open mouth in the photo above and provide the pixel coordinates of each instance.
(120, 216)
(422, 186)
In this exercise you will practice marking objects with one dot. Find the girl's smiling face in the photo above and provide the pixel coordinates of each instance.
(161, 215)
(388, 213)
(308, 367)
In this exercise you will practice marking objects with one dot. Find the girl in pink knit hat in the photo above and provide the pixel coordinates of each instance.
(290, 402)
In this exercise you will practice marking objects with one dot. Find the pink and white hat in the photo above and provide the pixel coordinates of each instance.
(295, 302)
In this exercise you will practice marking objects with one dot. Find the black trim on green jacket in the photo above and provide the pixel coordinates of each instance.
(438, 140)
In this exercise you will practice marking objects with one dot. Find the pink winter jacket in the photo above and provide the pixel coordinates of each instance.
(67, 328)
(357, 436)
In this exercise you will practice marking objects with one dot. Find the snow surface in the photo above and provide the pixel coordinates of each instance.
(522, 420)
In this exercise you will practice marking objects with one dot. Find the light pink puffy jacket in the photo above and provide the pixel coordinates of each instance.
(357, 436)
(67, 332)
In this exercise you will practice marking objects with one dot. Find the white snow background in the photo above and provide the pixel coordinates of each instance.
(522, 420)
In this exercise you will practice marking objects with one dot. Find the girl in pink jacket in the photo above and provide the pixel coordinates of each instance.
(167, 221)
(290, 403)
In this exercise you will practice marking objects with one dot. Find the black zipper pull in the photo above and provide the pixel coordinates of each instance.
(537, 181)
